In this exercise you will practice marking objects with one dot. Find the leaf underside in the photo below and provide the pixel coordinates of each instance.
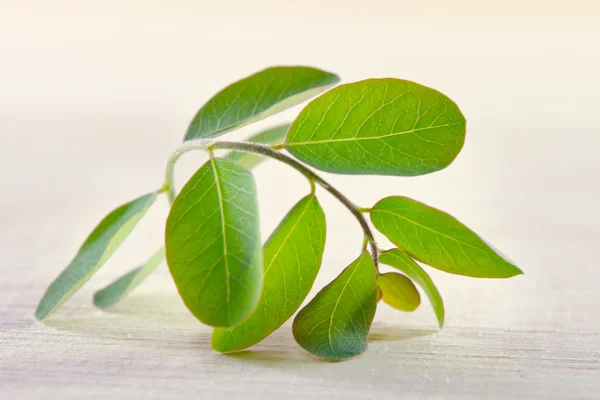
(120, 288)
(270, 136)
(292, 258)
(213, 244)
(399, 292)
(438, 239)
(398, 259)
(335, 324)
(378, 126)
(256, 97)
(95, 251)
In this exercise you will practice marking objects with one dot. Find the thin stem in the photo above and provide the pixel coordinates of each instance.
(169, 185)
(313, 177)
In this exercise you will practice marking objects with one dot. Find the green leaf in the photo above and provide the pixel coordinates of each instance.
(335, 324)
(120, 288)
(292, 257)
(213, 244)
(95, 251)
(401, 261)
(438, 239)
(399, 292)
(269, 136)
(256, 97)
(378, 126)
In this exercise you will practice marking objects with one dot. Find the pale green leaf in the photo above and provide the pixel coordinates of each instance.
(378, 126)
(401, 261)
(256, 97)
(95, 251)
(399, 292)
(124, 285)
(336, 323)
(292, 257)
(438, 239)
(213, 244)
(269, 136)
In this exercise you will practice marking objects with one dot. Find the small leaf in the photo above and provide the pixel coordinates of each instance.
(292, 257)
(438, 239)
(399, 292)
(120, 288)
(256, 97)
(401, 261)
(336, 323)
(213, 244)
(269, 136)
(378, 126)
(94, 252)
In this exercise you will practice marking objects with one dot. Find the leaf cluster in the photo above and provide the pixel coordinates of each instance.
(245, 289)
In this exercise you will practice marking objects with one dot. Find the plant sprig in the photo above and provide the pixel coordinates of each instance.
(247, 291)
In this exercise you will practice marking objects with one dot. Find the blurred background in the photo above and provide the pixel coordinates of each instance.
(94, 96)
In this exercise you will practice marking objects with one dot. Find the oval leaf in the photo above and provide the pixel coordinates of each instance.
(336, 323)
(292, 257)
(378, 126)
(124, 285)
(399, 292)
(95, 251)
(256, 97)
(401, 261)
(213, 244)
(269, 136)
(438, 239)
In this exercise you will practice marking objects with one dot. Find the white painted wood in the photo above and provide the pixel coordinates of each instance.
(93, 99)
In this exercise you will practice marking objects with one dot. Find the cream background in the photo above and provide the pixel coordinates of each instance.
(95, 95)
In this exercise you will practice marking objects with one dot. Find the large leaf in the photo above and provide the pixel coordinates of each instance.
(336, 323)
(95, 251)
(124, 285)
(213, 243)
(378, 126)
(269, 136)
(399, 292)
(438, 239)
(292, 257)
(256, 97)
(401, 261)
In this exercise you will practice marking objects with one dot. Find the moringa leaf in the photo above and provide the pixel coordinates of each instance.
(95, 251)
(401, 261)
(398, 291)
(378, 126)
(120, 288)
(213, 244)
(256, 97)
(335, 324)
(269, 136)
(438, 239)
(292, 257)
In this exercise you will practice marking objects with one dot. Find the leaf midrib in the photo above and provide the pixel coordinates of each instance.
(223, 226)
(381, 137)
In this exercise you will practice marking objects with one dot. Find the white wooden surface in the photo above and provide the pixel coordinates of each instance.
(94, 96)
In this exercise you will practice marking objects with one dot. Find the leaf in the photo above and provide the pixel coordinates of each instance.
(401, 261)
(378, 126)
(120, 288)
(399, 292)
(213, 244)
(292, 257)
(269, 136)
(438, 239)
(335, 324)
(256, 97)
(95, 251)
